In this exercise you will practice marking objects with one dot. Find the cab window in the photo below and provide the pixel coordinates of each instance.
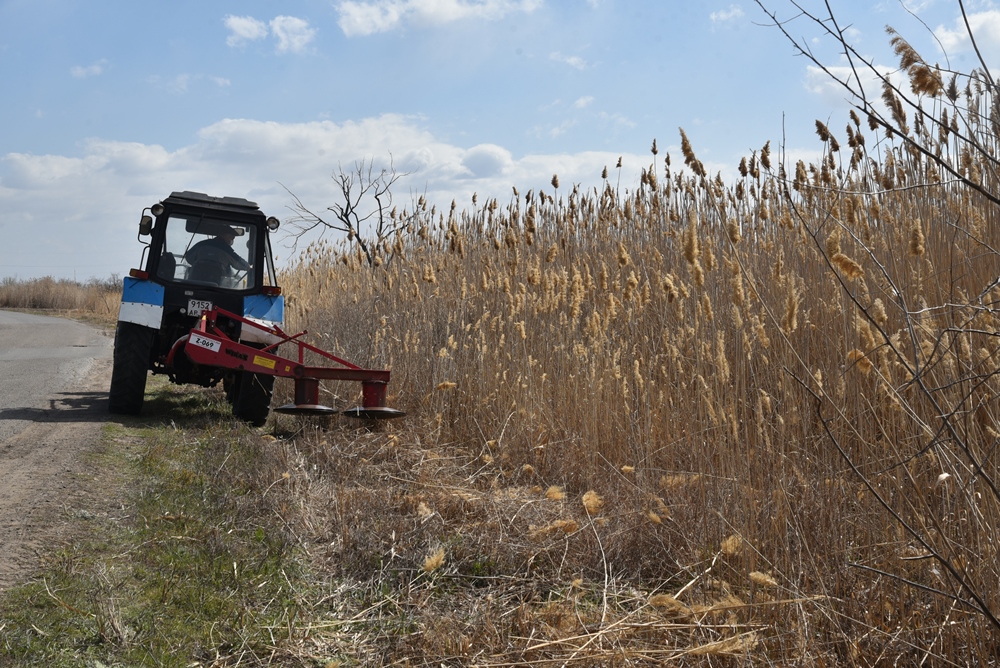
(199, 250)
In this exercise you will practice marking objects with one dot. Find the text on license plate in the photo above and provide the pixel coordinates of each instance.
(197, 306)
(206, 343)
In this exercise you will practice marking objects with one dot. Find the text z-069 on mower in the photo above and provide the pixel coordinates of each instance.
(211, 256)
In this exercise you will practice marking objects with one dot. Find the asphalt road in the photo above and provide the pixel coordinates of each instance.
(54, 377)
(40, 359)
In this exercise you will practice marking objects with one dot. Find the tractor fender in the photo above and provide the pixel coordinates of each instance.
(142, 303)
(264, 310)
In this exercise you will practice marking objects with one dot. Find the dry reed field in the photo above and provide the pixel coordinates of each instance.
(96, 300)
(697, 422)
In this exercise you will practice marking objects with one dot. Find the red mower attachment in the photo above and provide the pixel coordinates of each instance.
(208, 345)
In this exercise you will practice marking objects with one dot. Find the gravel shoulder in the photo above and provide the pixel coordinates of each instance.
(54, 377)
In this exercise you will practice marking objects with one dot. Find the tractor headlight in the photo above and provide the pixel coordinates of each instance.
(273, 223)
(157, 209)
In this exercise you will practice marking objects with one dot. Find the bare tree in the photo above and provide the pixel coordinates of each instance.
(944, 127)
(365, 211)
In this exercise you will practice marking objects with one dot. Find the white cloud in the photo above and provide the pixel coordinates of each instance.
(487, 160)
(180, 84)
(561, 129)
(583, 102)
(731, 14)
(294, 34)
(367, 17)
(986, 28)
(360, 18)
(617, 120)
(88, 205)
(834, 94)
(573, 61)
(244, 29)
(93, 70)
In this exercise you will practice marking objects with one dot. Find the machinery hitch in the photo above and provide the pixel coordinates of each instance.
(207, 344)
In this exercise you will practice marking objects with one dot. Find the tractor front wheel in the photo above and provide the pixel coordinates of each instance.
(252, 397)
(129, 368)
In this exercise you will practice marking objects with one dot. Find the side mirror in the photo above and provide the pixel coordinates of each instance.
(145, 225)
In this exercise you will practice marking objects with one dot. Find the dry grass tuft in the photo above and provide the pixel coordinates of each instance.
(555, 493)
(564, 526)
(592, 501)
(847, 266)
(434, 560)
(669, 605)
(860, 361)
(732, 545)
(763, 579)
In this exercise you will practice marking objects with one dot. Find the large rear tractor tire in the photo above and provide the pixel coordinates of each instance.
(129, 369)
(231, 386)
(252, 398)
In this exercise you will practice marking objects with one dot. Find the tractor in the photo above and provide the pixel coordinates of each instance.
(206, 308)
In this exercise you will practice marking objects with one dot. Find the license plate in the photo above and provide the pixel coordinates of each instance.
(197, 306)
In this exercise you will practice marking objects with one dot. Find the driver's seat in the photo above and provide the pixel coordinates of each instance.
(167, 267)
(207, 271)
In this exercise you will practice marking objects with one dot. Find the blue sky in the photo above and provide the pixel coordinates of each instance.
(111, 105)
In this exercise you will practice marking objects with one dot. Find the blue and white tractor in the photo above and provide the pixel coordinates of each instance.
(201, 253)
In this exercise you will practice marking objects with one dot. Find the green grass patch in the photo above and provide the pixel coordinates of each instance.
(196, 571)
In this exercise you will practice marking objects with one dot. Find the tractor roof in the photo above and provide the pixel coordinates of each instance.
(201, 200)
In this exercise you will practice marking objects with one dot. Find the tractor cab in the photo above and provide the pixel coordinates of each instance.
(213, 242)
(203, 251)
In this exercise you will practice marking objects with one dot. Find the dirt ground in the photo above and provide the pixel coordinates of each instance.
(54, 404)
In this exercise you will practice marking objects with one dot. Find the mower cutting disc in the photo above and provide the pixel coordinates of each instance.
(374, 413)
(305, 409)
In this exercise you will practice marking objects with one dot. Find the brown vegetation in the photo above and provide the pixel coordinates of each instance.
(774, 398)
(96, 299)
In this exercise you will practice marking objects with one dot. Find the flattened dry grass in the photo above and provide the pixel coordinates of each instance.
(432, 555)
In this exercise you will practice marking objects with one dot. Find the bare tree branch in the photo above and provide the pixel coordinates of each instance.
(364, 210)
(947, 350)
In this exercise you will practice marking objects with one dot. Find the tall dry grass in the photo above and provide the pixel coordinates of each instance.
(712, 360)
(95, 299)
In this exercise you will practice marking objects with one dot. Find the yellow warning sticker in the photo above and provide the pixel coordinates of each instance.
(263, 361)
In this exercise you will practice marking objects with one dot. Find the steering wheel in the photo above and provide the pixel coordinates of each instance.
(244, 274)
